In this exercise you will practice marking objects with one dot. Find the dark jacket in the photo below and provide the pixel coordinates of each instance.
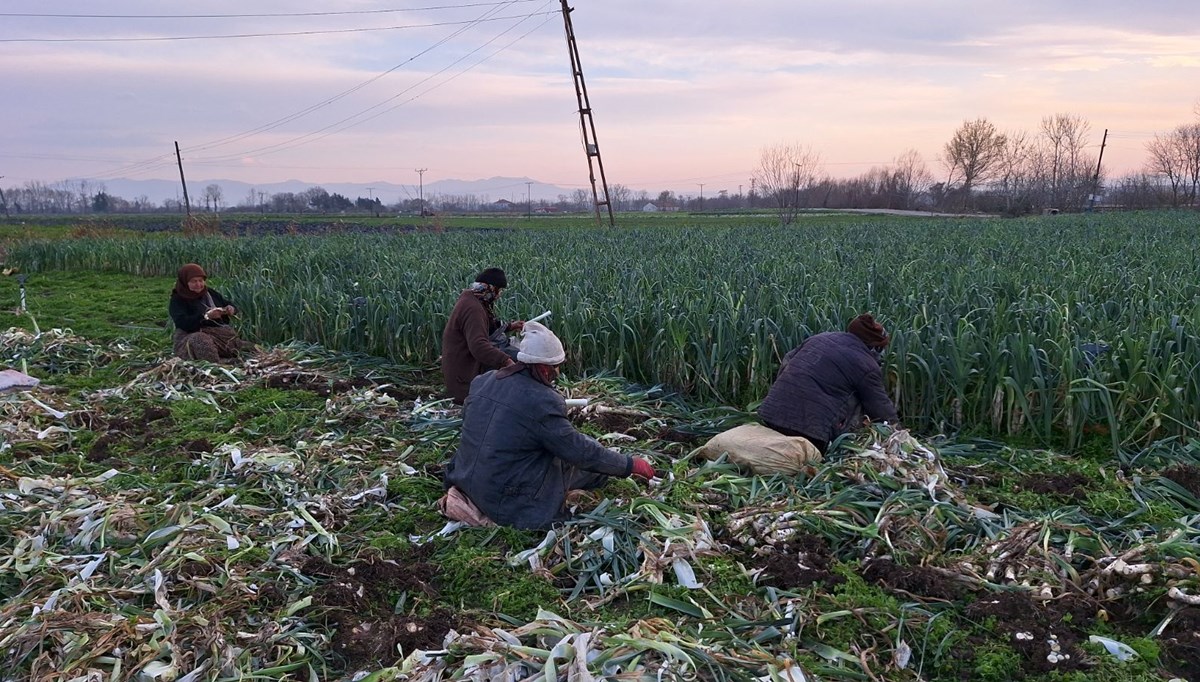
(519, 455)
(467, 349)
(824, 388)
(188, 315)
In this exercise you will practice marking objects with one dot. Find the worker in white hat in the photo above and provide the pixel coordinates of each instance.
(519, 454)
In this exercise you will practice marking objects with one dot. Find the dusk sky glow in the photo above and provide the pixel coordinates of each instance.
(683, 93)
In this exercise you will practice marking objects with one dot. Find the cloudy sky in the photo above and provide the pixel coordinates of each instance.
(683, 93)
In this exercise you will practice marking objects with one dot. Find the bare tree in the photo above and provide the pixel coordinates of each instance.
(619, 195)
(971, 155)
(1016, 172)
(581, 199)
(213, 195)
(911, 177)
(1169, 159)
(784, 172)
(1067, 167)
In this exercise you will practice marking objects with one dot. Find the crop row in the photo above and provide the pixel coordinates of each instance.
(1047, 327)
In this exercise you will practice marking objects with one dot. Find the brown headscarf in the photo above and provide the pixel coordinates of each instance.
(186, 273)
(871, 332)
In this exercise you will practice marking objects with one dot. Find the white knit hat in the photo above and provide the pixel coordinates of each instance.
(539, 346)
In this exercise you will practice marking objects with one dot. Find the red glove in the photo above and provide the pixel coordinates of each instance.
(642, 469)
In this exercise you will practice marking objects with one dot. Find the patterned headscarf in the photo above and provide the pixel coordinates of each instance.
(486, 293)
(186, 274)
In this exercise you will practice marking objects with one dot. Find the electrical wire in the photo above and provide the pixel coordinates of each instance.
(256, 16)
(350, 121)
(250, 35)
(166, 160)
(324, 103)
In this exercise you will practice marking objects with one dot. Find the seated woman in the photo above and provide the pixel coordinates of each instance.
(201, 316)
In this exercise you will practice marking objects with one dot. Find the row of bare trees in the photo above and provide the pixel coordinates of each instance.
(981, 168)
(984, 168)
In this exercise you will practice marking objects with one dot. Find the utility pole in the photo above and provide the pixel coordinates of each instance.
(262, 208)
(587, 126)
(1096, 177)
(701, 195)
(528, 202)
(179, 159)
(371, 196)
(421, 201)
(751, 197)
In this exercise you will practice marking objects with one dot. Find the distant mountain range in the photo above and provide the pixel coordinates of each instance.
(234, 192)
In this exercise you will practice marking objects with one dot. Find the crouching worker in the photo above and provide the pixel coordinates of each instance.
(519, 455)
(474, 339)
(828, 383)
(201, 316)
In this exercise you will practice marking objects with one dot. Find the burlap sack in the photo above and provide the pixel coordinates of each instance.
(762, 450)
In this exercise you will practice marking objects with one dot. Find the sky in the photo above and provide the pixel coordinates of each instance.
(684, 95)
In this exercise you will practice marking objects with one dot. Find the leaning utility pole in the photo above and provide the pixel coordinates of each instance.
(590, 146)
(179, 159)
(1096, 177)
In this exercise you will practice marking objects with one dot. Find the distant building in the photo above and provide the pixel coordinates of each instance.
(664, 206)
(504, 205)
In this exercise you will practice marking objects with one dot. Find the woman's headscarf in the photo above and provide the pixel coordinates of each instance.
(487, 286)
(186, 274)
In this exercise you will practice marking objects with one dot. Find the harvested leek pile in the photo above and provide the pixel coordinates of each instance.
(273, 519)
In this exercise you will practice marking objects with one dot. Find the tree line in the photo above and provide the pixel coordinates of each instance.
(980, 168)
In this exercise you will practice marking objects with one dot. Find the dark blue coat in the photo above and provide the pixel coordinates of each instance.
(188, 314)
(519, 454)
(825, 386)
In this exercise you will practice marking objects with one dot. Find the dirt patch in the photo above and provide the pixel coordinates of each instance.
(917, 581)
(672, 435)
(616, 422)
(360, 600)
(195, 569)
(1187, 476)
(319, 385)
(118, 429)
(1070, 486)
(1034, 629)
(197, 446)
(101, 446)
(802, 561)
(401, 393)
(1181, 642)
(153, 414)
(365, 643)
(272, 595)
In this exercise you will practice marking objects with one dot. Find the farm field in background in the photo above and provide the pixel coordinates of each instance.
(275, 518)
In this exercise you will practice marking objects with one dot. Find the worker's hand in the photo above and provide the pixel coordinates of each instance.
(642, 469)
(214, 314)
(230, 310)
(515, 326)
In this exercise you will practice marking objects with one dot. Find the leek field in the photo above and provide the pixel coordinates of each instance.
(273, 518)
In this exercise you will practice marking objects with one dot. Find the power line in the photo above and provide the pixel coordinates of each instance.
(254, 16)
(294, 116)
(167, 160)
(349, 121)
(257, 35)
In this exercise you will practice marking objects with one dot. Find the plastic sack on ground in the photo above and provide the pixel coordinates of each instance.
(762, 450)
